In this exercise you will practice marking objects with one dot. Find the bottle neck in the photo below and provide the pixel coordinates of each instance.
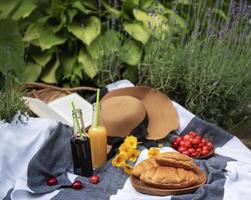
(78, 123)
(95, 114)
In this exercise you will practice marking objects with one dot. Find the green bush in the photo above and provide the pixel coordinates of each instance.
(66, 40)
(11, 68)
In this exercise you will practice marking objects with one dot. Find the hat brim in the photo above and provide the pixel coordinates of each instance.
(161, 113)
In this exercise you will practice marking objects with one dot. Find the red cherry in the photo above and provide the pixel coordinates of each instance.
(181, 149)
(52, 181)
(186, 152)
(210, 145)
(178, 139)
(188, 144)
(192, 133)
(204, 152)
(195, 141)
(182, 143)
(198, 137)
(203, 141)
(200, 145)
(94, 179)
(175, 144)
(194, 154)
(198, 149)
(191, 150)
(77, 185)
(187, 137)
(205, 148)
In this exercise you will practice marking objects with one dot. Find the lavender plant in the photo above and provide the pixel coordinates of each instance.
(208, 72)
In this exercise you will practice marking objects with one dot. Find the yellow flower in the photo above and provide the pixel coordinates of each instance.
(153, 152)
(119, 160)
(131, 141)
(125, 149)
(133, 155)
(128, 169)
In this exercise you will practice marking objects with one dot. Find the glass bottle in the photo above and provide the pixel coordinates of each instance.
(98, 138)
(80, 146)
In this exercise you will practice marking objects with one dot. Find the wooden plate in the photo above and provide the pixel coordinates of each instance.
(148, 189)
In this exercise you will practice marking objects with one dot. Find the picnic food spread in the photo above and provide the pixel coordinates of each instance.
(170, 170)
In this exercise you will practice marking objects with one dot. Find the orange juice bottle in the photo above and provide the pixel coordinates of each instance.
(98, 138)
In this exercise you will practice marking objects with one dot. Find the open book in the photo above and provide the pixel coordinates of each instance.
(60, 109)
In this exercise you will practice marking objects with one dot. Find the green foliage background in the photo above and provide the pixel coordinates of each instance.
(65, 39)
(175, 46)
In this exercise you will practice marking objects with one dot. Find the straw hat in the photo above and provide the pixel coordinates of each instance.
(125, 111)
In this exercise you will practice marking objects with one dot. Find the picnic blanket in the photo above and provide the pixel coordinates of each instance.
(34, 149)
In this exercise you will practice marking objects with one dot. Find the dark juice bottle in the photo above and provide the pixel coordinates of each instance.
(80, 147)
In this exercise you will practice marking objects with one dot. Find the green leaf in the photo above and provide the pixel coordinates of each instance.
(42, 58)
(130, 53)
(110, 41)
(6, 6)
(11, 48)
(150, 5)
(71, 14)
(78, 5)
(25, 9)
(77, 70)
(137, 31)
(57, 8)
(32, 32)
(114, 12)
(32, 72)
(129, 5)
(154, 23)
(88, 64)
(49, 73)
(68, 62)
(146, 4)
(63, 20)
(89, 32)
(175, 19)
(41, 34)
(90, 4)
(131, 74)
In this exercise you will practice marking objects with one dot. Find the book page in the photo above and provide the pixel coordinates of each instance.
(42, 110)
(63, 107)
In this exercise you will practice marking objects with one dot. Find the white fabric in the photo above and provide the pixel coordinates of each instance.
(21, 141)
(184, 116)
(238, 182)
(119, 84)
(235, 149)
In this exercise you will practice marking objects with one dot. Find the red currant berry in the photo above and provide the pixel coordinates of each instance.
(94, 179)
(77, 185)
(52, 181)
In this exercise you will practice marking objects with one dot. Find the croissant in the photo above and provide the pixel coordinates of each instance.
(170, 170)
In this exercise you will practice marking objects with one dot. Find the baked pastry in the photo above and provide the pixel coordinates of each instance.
(144, 166)
(169, 177)
(177, 160)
